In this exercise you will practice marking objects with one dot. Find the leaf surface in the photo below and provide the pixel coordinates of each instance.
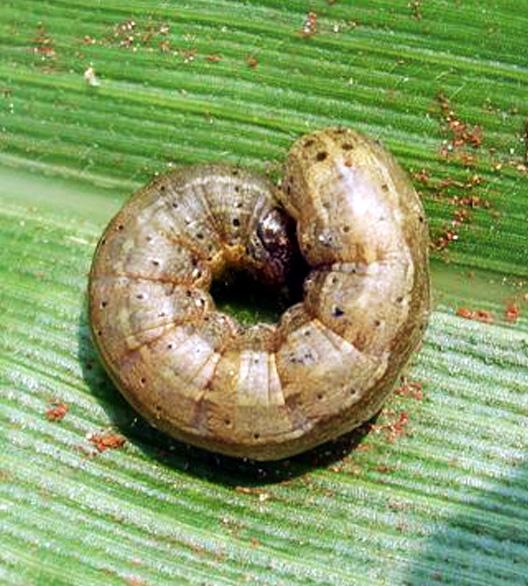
(436, 489)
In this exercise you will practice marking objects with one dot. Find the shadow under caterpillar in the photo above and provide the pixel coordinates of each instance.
(266, 391)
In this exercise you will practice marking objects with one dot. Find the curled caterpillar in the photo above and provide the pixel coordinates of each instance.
(266, 391)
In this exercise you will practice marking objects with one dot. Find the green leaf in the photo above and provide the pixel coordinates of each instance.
(436, 490)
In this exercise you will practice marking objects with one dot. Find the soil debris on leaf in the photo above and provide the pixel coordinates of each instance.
(43, 45)
(188, 55)
(56, 411)
(395, 425)
(462, 196)
(262, 494)
(252, 61)
(106, 441)
(461, 134)
(133, 35)
(416, 9)
(385, 469)
(408, 388)
(310, 25)
(135, 581)
(90, 77)
(512, 312)
(476, 314)
(214, 58)
(125, 33)
(422, 176)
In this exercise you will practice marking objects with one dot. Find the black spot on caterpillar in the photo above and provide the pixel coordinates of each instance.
(257, 391)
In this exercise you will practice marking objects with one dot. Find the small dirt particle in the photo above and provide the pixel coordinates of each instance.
(422, 176)
(106, 441)
(442, 241)
(124, 33)
(165, 46)
(310, 25)
(461, 134)
(252, 61)
(56, 411)
(44, 45)
(476, 314)
(416, 9)
(214, 58)
(408, 388)
(461, 196)
(188, 55)
(395, 427)
(384, 469)
(262, 494)
(135, 581)
(512, 312)
(43, 42)
(90, 78)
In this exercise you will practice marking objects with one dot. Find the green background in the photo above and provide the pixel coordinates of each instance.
(437, 490)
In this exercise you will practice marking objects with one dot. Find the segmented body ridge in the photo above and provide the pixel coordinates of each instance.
(266, 391)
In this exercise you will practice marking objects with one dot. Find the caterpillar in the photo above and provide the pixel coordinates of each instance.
(266, 391)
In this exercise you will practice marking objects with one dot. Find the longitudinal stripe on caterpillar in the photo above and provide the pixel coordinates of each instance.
(265, 391)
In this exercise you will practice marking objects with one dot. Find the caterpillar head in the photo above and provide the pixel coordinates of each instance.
(272, 246)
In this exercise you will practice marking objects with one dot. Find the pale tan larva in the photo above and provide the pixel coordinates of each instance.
(265, 391)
